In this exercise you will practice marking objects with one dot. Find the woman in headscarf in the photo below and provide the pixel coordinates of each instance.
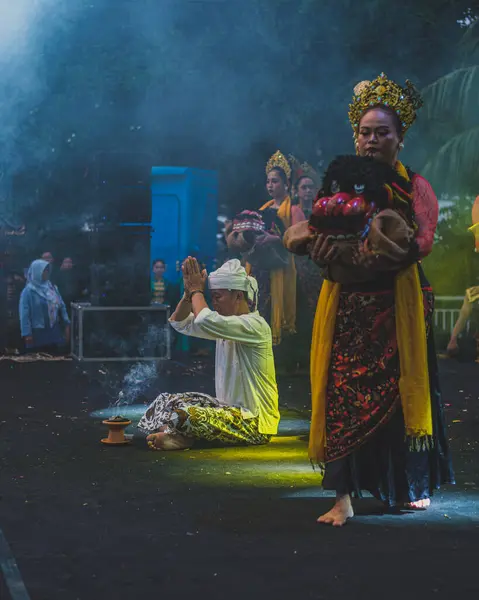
(44, 321)
(377, 417)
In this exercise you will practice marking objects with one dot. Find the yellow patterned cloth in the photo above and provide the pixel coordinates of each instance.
(472, 294)
(158, 291)
(202, 417)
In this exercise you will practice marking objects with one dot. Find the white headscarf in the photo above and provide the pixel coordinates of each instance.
(45, 289)
(233, 276)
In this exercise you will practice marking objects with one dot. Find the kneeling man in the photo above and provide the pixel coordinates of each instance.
(245, 410)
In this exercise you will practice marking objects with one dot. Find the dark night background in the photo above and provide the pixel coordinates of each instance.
(95, 92)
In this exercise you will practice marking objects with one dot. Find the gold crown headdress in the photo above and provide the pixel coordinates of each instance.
(302, 170)
(404, 101)
(279, 161)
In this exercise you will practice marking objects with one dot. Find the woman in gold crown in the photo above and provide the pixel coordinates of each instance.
(305, 184)
(277, 288)
(377, 418)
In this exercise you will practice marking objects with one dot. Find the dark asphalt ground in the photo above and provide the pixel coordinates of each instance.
(85, 521)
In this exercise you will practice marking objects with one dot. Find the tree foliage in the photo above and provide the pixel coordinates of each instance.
(453, 121)
(453, 265)
(217, 85)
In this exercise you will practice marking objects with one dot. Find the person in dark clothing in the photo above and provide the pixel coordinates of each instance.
(15, 285)
(69, 283)
(162, 290)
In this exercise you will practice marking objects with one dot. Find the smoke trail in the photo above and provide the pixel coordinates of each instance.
(215, 84)
(120, 388)
(136, 382)
(25, 28)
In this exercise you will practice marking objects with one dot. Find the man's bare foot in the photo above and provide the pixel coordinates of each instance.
(419, 504)
(168, 441)
(340, 513)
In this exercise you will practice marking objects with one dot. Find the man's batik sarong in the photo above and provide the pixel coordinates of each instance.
(201, 417)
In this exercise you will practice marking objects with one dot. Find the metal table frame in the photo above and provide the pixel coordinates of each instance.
(78, 311)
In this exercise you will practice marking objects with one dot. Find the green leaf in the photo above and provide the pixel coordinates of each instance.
(454, 95)
(470, 40)
(454, 167)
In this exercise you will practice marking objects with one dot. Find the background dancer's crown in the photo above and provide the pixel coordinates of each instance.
(302, 169)
(404, 101)
(280, 161)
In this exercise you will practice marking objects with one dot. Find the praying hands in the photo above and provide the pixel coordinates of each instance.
(193, 277)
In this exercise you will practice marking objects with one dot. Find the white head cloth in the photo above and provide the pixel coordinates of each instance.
(232, 276)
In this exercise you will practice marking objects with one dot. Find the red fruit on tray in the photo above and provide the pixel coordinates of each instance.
(331, 206)
(347, 208)
(320, 207)
(341, 200)
(356, 205)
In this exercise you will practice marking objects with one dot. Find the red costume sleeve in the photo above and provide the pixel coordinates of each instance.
(426, 213)
(297, 215)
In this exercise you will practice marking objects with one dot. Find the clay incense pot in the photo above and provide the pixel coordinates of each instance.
(116, 431)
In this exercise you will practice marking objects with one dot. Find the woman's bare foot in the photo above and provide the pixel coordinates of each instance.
(168, 441)
(340, 513)
(419, 504)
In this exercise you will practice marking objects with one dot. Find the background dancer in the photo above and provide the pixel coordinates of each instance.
(278, 286)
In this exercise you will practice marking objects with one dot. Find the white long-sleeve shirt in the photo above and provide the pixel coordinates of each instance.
(244, 370)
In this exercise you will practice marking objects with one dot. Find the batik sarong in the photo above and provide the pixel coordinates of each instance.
(201, 417)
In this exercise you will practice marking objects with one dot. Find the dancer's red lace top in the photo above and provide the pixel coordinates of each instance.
(426, 212)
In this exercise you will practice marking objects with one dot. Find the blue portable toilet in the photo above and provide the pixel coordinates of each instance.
(184, 211)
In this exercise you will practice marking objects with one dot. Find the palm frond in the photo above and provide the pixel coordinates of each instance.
(455, 166)
(454, 94)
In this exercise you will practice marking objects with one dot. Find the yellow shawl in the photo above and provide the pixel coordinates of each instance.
(283, 285)
(412, 346)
